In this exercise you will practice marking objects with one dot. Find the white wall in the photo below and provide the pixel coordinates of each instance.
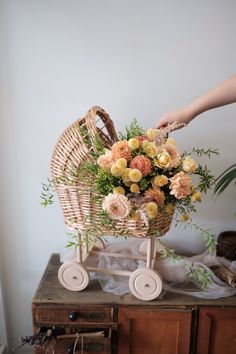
(135, 59)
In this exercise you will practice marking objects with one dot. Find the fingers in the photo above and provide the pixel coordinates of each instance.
(178, 119)
(165, 120)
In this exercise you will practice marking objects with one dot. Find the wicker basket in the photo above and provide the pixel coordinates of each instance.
(77, 200)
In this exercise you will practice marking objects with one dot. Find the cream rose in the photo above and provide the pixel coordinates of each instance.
(189, 165)
(163, 159)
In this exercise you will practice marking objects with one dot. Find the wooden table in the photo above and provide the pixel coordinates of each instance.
(175, 324)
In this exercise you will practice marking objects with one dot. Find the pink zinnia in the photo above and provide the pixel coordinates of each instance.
(180, 185)
(117, 206)
(142, 163)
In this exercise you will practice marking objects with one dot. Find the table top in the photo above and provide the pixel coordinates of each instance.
(50, 291)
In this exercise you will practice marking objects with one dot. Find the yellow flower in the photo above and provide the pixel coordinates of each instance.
(185, 217)
(169, 209)
(118, 190)
(126, 173)
(163, 159)
(122, 162)
(117, 171)
(152, 133)
(151, 210)
(196, 197)
(189, 165)
(150, 149)
(133, 143)
(135, 175)
(160, 181)
(134, 188)
(171, 141)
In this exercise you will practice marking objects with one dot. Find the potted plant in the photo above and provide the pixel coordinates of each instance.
(227, 240)
(228, 176)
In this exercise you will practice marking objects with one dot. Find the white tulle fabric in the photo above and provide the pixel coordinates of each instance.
(173, 273)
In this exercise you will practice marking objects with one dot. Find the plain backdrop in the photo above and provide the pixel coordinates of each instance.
(133, 58)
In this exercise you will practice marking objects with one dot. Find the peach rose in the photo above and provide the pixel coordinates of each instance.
(106, 160)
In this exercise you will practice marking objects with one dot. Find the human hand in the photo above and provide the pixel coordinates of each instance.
(179, 117)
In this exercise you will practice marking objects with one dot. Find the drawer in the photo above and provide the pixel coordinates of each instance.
(87, 340)
(73, 315)
(85, 346)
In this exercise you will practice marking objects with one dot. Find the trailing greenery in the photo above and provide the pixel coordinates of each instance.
(47, 194)
(170, 253)
(206, 234)
(200, 275)
(196, 272)
(203, 152)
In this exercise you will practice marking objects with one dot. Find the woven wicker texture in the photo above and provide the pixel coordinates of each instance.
(80, 208)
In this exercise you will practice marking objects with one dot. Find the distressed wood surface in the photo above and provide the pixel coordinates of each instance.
(50, 291)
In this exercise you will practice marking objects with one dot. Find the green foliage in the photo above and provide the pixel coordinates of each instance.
(95, 142)
(144, 184)
(195, 272)
(47, 194)
(105, 182)
(88, 167)
(206, 234)
(227, 177)
(132, 131)
(170, 253)
(85, 135)
(202, 152)
(200, 275)
(206, 178)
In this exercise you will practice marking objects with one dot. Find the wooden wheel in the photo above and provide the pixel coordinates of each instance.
(73, 276)
(145, 284)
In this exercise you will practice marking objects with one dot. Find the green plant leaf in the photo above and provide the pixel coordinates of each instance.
(225, 178)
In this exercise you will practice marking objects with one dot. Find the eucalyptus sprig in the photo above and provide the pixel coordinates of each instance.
(207, 180)
(202, 152)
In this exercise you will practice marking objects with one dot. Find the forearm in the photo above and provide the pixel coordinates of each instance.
(223, 94)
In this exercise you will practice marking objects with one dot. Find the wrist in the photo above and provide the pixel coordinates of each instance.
(189, 112)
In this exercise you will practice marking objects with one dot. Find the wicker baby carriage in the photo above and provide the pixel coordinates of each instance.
(82, 206)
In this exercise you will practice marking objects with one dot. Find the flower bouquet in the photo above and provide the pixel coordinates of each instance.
(128, 185)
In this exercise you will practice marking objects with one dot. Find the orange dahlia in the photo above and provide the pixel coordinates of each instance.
(156, 194)
(121, 149)
(142, 163)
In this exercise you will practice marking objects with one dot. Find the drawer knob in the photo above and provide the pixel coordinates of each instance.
(73, 316)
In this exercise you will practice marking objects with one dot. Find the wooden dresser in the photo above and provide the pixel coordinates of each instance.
(174, 325)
